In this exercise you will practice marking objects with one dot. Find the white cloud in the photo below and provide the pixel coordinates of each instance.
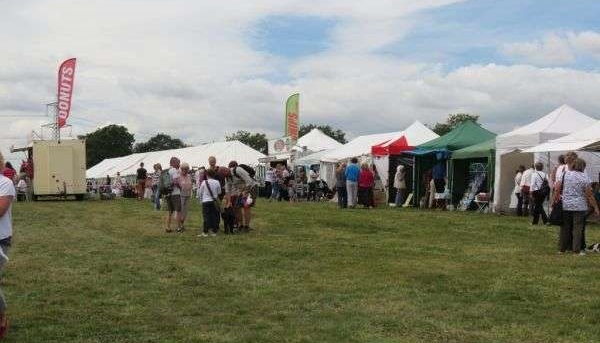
(551, 50)
(556, 49)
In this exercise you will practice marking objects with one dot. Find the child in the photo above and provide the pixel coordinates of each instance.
(244, 201)
(292, 190)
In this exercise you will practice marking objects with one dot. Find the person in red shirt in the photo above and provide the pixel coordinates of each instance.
(366, 182)
(9, 171)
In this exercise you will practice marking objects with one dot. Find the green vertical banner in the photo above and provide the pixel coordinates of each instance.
(292, 115)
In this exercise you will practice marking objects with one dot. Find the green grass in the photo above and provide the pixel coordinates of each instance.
(105, 272)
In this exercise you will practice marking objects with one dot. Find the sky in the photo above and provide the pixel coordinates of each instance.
(199, 70)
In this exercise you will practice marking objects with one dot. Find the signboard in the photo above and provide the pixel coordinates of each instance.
(280, 146)
(64, 93)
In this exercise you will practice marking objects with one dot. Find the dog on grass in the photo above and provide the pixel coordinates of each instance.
(594, 247)
(228, 216)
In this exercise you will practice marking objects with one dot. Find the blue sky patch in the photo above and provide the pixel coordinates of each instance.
(292, 36)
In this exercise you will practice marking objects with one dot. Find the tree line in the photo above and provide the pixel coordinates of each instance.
(116, 140)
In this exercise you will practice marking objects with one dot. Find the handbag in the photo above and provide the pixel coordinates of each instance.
(215, 199)
(556, 215)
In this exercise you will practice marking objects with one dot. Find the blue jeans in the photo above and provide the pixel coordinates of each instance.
(342, 197)
(400, 197)
(275, 191)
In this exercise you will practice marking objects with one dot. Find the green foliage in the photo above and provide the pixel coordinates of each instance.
(107, 142)
(336, 134)
(104, 271)
(159, 142)
(453, 121)
(257, 141)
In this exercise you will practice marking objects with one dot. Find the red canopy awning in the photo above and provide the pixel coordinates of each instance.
(391, 147)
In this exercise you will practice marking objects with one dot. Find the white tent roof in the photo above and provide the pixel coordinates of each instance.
(316, 140)
(562, 121)
(195, 156)
(311, 159)
(358, 146)
(415, 134)
(588, 137)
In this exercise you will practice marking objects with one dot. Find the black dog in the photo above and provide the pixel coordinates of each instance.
(228, 216)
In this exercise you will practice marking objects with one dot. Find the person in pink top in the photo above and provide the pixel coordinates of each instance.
(185, 184)
(366, 182)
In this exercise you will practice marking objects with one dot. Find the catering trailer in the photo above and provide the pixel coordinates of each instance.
(58, 168)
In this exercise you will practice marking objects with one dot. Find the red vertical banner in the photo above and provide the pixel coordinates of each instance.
(66, 80)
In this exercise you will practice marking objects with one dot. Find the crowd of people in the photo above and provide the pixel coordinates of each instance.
(226, 193)
(570, 193)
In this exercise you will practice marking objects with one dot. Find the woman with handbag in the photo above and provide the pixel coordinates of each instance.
(577, 197)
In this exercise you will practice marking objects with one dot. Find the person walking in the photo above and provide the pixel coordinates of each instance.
(239, 184)
(269, 178)
(366, 182)
(340, 185)
(352, 175)
(577, 197)
(517, 190)
(526, 189)
(400, 185)
(539, 192)
(277, 183)
(208, 195)
(7, 196)
(155, 185)
(185, 185)
(142, 175)
(173, 196)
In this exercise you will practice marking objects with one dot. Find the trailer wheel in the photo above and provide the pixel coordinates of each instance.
(79, 197)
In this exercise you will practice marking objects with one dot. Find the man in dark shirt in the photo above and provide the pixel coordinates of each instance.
(142, 174)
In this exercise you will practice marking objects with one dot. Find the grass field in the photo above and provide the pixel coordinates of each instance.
(105, 272)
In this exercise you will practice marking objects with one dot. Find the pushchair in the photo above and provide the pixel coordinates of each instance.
(320, 191)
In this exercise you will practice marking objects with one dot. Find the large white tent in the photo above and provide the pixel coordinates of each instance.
(195, 156)
(510, 146)
(316, 141)
(585, 139)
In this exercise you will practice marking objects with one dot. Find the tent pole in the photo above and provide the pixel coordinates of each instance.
(414, 190)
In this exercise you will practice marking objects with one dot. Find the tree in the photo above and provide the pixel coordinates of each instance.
(257, 141)
(107, 142)
(159, 142)
(336, 134)
(453, 121)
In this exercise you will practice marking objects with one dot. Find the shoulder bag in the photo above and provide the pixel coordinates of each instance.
(215, 199)
(556, 215)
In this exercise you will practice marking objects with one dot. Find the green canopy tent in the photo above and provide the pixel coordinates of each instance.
(464, 135)
(475, 159)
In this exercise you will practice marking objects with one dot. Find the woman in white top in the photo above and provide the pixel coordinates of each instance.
(517, 190)
(400, 185)
(7, 195)
(577, 197)
(208, 194)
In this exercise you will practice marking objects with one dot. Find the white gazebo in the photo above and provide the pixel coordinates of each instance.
(510, 146)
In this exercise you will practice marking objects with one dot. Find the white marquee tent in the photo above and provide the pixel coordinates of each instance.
(585, 139)
(509, 146)
(195, 156)
(316, 141)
